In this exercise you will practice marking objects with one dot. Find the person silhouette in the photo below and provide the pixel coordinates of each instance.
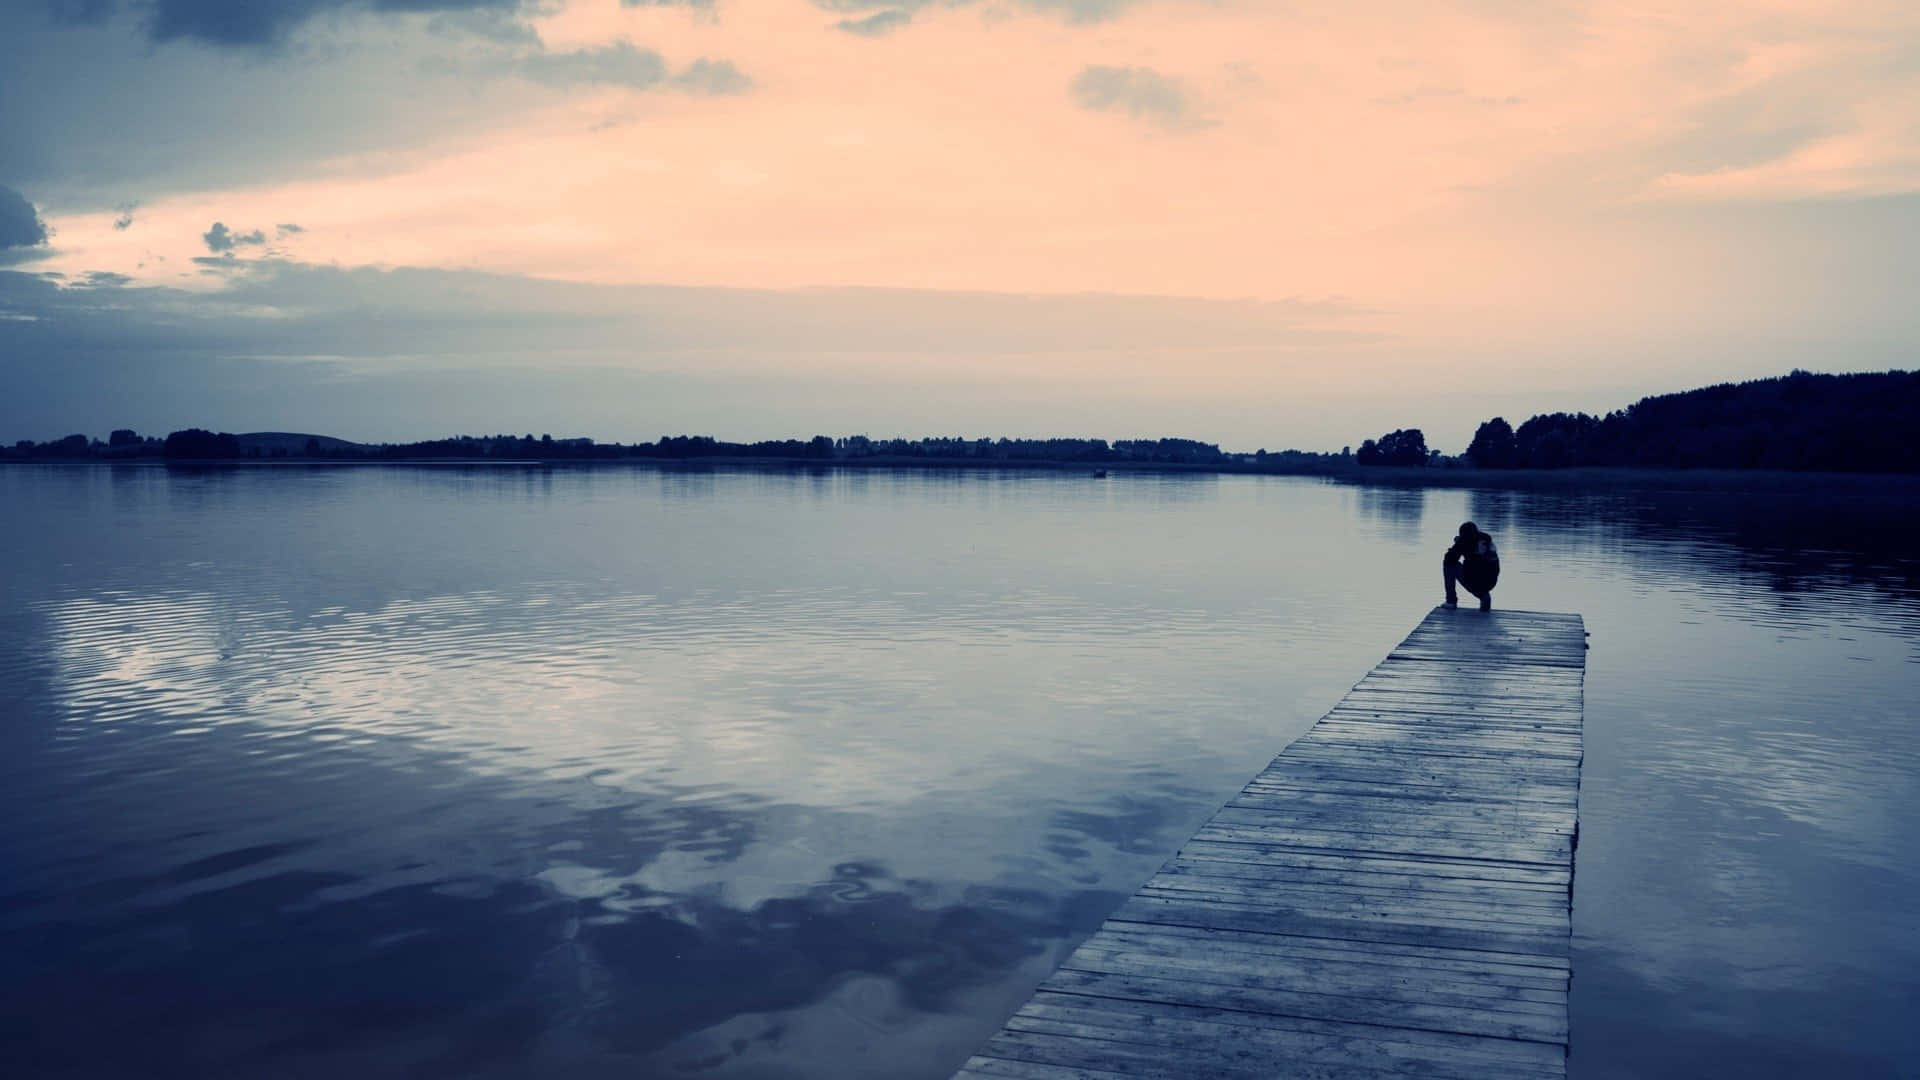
(1472, 562)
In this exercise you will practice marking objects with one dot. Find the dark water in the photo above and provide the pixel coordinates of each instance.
(477, 773)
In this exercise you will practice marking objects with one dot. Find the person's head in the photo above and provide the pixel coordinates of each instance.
(1469, 530)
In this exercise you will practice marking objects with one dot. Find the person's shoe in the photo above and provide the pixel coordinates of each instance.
(1452, 602)
(1486, 603)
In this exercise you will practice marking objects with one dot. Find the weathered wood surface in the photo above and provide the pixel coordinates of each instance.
(1391, 897)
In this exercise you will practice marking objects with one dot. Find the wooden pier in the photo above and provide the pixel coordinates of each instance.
(1392, 896)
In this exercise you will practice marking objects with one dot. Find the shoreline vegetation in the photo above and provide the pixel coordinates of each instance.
(1460, 476)
(1797, 425)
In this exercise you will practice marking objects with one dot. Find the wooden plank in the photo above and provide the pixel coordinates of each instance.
(1392, 927)
(1283, 860)
(1336, 975)
(1420, 1016)
(1439, 894)
(1263, 870)
(1374, 952)
(1474, 964)
(1394, 1049)
(1391, 896)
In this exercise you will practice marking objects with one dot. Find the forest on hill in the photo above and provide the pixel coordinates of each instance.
(1831, 423)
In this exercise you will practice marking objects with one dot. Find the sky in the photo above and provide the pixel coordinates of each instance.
(1261, 224)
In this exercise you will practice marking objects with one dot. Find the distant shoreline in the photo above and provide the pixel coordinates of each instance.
(1582, 478)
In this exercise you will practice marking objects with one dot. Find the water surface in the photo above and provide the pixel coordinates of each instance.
(504, 772)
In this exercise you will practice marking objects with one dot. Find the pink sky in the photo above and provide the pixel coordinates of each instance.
(1512, 189)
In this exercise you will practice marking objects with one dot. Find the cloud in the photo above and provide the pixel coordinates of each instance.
(391, 351)
(20, 224)
(705, 76)
(619, 64)
(876, 24)
(890, 15)
(252, 23)
(1140, 92)
(105, 279)
(623, 64)
(276, 307)
(221, 239)
(94, 111)
(1082, 11)
(124, 220)
(23, 235)
(286, 229)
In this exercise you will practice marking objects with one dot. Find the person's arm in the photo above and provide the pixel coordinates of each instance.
(1454, 554)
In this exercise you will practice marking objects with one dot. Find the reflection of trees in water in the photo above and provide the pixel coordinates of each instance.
(1797, 541)
(1492, 511)
(1400, 509)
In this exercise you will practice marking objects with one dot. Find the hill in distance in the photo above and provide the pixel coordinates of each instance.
(292, 443)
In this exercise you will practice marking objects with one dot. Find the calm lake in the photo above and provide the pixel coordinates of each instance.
(497, 772)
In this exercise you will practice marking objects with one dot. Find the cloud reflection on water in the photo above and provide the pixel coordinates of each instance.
(773, 773)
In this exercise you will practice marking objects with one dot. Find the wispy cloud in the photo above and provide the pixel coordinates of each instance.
(714, 77)
(878, 24)
(618, 64)
(1139, 92)
(892, 14)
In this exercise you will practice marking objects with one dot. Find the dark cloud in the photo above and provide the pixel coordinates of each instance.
(697, 5)
(287, 229)
(221, 239)
(1140, 92)
(705, 76)
(99, 114)
(876, 24)
(105, 279)
(501, 26)
(244, 23)
(80, 11)
(124, 220)
(96, 112)
(23, 235)
(619, 64)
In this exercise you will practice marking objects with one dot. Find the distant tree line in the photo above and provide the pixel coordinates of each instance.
(1802, 421)
(199, 444)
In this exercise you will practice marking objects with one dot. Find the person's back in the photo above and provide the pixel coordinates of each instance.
(1473, 562)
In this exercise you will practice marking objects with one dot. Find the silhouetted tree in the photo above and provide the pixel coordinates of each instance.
(198, 444)
(123, 437)
(1407, 446)
(1492, 446)
(1556, 440)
